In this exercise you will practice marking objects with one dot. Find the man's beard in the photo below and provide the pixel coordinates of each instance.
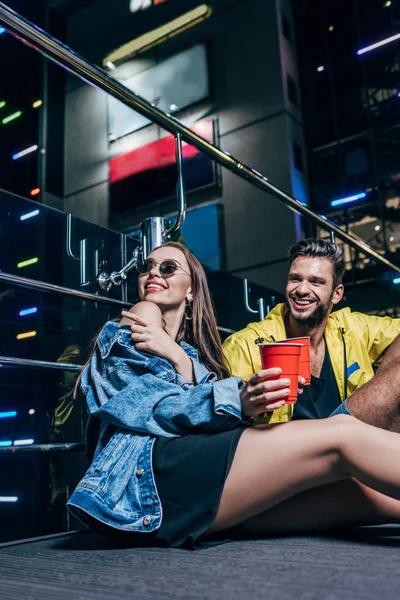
(315, 318)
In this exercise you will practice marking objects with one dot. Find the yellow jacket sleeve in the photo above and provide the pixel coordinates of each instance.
(379, 333)
(242, 356)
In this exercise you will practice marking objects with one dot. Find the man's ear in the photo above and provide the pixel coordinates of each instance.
(338, 294)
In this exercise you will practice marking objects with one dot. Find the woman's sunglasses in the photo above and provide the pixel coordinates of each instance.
(166, 268)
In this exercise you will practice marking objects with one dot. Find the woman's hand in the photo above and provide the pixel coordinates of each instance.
(150, 337)
(260, 394)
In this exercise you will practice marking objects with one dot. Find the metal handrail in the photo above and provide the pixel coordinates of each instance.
(14, 361)
(43, 448)
(50, 287)
(61, 54)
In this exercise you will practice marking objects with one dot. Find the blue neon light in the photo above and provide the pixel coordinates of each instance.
(29, 215)
(4, 443)
(28, 311)
(348, 199)
(397, 280)
(7, 414)
(8, 498)
(24, 152)
(2, 30)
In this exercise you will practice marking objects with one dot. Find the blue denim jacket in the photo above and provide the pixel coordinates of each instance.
(138, 397)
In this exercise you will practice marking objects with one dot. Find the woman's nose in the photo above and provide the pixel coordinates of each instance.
(155, 271)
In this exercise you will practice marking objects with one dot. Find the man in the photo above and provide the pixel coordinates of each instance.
(345, 346)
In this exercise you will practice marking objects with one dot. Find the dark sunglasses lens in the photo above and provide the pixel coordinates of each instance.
(145, 266)
(168, 268)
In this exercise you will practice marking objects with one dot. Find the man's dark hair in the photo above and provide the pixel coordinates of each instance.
(314, 248)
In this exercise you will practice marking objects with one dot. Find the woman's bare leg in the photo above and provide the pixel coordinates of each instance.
(275, 463)
(346, 503)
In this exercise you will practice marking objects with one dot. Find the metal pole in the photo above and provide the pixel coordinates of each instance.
(42, 448)
(61, 54)
(154, 233)
(180, 188)
(49, 287)
(28, 362)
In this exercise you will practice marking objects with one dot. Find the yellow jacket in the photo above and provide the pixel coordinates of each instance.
(353, 339)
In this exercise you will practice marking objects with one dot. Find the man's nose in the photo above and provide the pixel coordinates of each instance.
(303, 287)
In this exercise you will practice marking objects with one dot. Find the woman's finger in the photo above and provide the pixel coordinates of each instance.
(258, 377)
(138, 337)
(135, 328)
(135, 318)
(268, 386)
(274, 405)
(128, 315)
(141, 346)
(276, 396)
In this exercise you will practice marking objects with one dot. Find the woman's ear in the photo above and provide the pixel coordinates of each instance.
(189, 295)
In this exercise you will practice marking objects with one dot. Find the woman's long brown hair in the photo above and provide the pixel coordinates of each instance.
(201, 330)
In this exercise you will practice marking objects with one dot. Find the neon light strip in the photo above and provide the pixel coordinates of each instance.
(8, 498)
(23, 442)
(24, 152)
(8, 414)
(27, 334)
(167, 31)
(28, 311)
(29, 215)
(26, 263)
(348, 199)
(37, 104)
(11, 117)
(379, 44)
(2, 30)
(2, 104)
(4, 443)
(397, 280)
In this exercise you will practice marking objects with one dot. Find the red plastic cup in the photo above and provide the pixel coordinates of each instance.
(305, 367)
(286, 356)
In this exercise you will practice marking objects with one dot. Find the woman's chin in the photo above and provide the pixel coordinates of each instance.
(152, 298)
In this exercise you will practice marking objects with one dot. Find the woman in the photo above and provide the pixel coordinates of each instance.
(177, 460)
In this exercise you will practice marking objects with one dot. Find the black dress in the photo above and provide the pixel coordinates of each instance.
(190, 473)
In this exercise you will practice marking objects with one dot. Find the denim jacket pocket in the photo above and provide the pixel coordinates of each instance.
(160, 367)
(164, 373)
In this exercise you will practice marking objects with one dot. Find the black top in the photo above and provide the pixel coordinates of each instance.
(321, 397)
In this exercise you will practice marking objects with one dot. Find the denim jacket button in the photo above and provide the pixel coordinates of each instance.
(139, 472)
(146, 521)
